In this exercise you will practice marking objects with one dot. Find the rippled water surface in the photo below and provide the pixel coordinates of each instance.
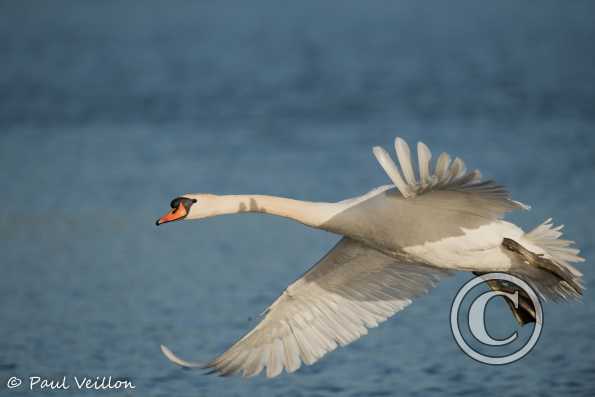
(109, 110)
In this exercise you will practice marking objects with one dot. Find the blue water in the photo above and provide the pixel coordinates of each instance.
(108, 110)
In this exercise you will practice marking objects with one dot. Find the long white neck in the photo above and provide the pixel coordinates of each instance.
(309, 213)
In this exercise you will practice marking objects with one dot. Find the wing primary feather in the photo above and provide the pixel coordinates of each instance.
(457, 168)
(177, 360)
(275, 361)
(350, 289)
(292, 350)
(488, 198)
(442, 166)
(392, 171)
(424, 156)
(404, 156)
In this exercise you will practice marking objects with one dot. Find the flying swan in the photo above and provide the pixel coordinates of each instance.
(398, 240)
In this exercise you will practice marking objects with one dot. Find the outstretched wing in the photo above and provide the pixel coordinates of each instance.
(450, 176)
(352, 288)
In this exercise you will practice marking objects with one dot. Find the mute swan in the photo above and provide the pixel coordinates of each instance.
(398, 241)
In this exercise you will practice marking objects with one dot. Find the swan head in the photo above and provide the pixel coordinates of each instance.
(189, 206)
(180, 209)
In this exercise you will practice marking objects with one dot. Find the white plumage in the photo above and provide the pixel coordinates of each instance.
(398, 241)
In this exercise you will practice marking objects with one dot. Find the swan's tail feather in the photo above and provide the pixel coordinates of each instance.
(545, 262)
(548, 236)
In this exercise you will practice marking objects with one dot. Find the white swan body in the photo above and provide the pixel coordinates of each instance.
(398, 241)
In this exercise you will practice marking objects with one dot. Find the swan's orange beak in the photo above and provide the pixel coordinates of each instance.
(177, 213)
